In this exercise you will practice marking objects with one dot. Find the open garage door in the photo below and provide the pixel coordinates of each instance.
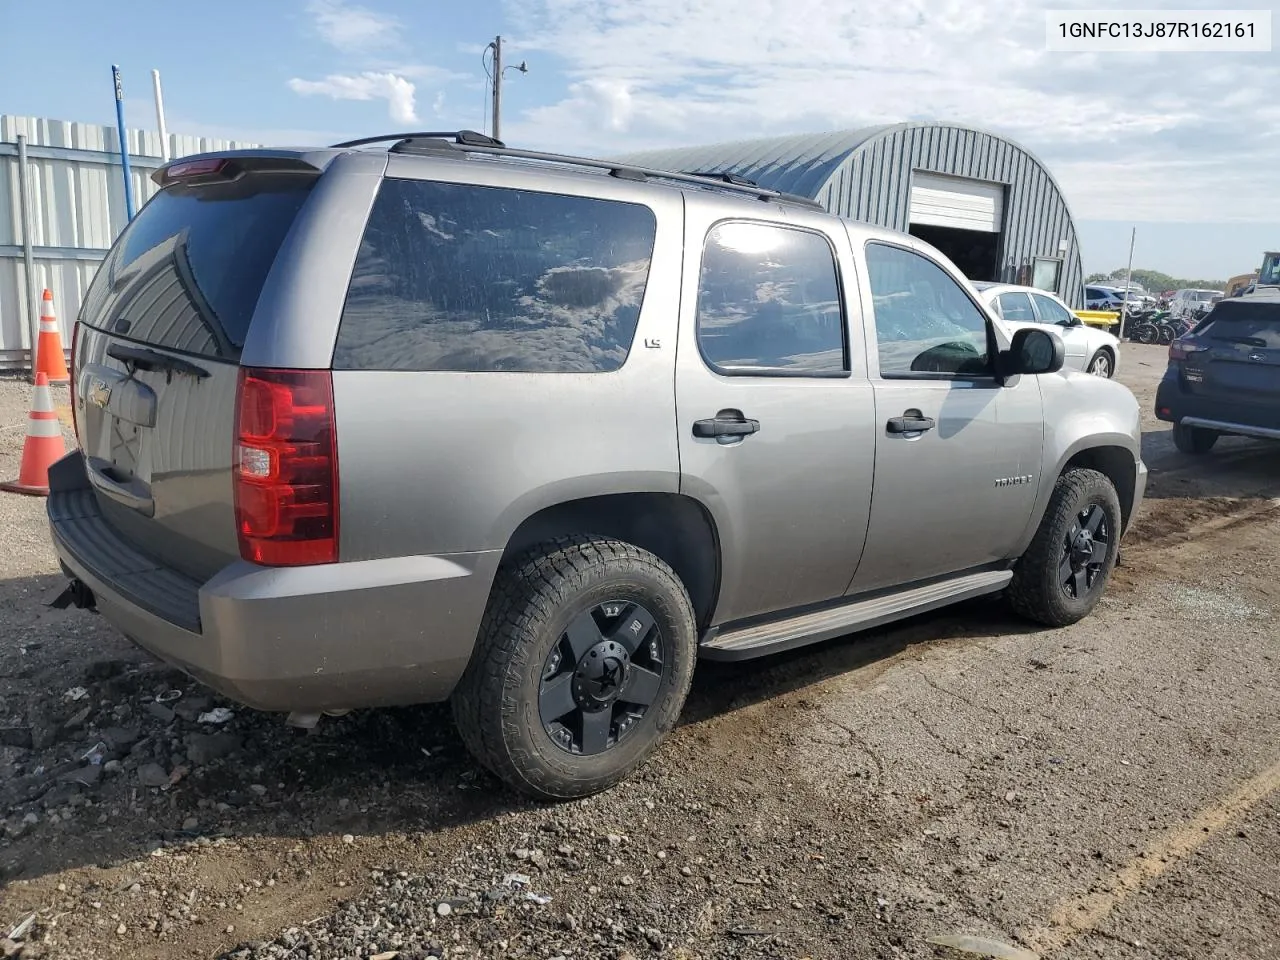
(962, 218)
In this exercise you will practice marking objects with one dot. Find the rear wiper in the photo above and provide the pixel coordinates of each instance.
(139, 358)
(1245, 341)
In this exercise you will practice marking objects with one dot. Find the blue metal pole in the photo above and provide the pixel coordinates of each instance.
(124, 143)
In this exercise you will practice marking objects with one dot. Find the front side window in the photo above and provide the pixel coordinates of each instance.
(491, 279)
(925, 323)
(1016, 308)
(1051, 311)
(769, 302)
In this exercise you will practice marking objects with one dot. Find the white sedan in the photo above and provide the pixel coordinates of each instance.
(1088, 348)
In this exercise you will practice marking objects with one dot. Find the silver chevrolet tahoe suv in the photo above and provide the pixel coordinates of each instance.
(368, 426)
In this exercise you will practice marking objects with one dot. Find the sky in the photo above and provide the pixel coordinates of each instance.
(1186, 146)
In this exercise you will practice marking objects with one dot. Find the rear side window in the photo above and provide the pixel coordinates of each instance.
(1016, 307)
(1248, 324)
(455, 277)
(769, 302)
(187, 272)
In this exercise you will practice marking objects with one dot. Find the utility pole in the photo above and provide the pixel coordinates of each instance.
(497, 88)
(498, 69)
(1128, 280)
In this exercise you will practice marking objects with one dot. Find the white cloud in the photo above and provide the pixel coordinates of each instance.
(675, 72)
(395, 89)
(353, 29)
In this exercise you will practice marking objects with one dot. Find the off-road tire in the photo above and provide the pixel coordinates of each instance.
(1036, 591)
(496, 703)
(1102, 354)
(1194, 441)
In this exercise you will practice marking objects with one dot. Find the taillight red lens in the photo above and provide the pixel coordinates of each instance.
(1184, 349)
(286, 467)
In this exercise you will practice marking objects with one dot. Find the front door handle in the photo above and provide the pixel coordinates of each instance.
(725, 425)
(911, 422)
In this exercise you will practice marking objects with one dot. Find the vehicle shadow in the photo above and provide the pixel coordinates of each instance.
(1236, 467)
(370, 773)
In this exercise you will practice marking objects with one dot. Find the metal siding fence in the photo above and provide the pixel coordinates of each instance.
(866, 175)
(77, 209)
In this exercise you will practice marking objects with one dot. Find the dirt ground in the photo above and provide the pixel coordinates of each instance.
(1108, 790)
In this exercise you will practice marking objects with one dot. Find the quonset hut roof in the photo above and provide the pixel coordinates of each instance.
(865, 174)
(800, 164)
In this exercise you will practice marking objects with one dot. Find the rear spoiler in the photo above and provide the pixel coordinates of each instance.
(232, 164)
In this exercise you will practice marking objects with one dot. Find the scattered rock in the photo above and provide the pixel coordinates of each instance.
(9, 949)
(190, 708)
(205, 748)
(85, 776)
(121, 738)
(443, 909)
(12, 736)
(191, 823)
(153, 775)
(160, 712)
(257, 789)
(78, 718)
(112, 767)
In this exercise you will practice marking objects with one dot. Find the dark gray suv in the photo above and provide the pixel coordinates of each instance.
(447, 420)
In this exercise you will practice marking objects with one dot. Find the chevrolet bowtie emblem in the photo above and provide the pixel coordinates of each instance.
(99, 392)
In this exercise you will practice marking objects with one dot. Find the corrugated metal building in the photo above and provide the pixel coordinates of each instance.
(983, 200)
(75, 210)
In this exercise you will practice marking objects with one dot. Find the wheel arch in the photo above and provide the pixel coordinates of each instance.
(674, 527)
(1111, 454)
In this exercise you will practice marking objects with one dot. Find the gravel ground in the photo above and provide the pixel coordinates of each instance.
(1108, 790)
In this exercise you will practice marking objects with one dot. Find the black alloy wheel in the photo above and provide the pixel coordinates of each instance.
(1084, 552)
(601, 678)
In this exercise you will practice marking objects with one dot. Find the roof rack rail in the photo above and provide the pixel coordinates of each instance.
(463, 138)
(468, 141)
(724, 177)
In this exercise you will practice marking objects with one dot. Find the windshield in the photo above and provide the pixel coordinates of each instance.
(1270, 275)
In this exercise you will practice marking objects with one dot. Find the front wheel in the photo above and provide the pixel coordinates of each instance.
(581, 667)
(1102, 364)
(1061, 577)
(1196, 441)
(1146, 333)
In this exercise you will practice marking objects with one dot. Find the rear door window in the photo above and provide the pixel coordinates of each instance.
(769, 302)
(1016, 307)
(1051, 311)
(188, 270)
(493, 279)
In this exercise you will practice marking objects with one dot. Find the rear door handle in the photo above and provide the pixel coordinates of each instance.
(723, 426)
(911, 423)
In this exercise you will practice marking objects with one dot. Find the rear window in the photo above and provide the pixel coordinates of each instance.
(455, 277)
(1253, 324)
(187, 272)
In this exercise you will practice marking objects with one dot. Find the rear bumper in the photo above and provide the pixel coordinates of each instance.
(328, 637)
(1175, 405)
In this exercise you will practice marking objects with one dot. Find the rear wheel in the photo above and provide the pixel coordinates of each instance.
(1102, 364)
(1061, 577)
(1196, 441)
(581, 667)
(1146, 333)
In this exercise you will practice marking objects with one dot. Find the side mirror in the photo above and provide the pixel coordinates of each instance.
(1033, 352)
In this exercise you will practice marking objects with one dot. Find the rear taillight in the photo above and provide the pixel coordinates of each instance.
(286, 467)
(75, 375)
(1185, 349)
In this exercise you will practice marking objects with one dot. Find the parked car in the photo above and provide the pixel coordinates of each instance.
(453, 421)
(1223, 376)
(1102, 298)
(1088, 349)
(1189, 302)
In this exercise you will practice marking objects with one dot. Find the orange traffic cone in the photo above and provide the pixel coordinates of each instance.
(50, 359)
(44, 444)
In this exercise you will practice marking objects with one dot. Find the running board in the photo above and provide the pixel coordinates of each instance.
(760, 639)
